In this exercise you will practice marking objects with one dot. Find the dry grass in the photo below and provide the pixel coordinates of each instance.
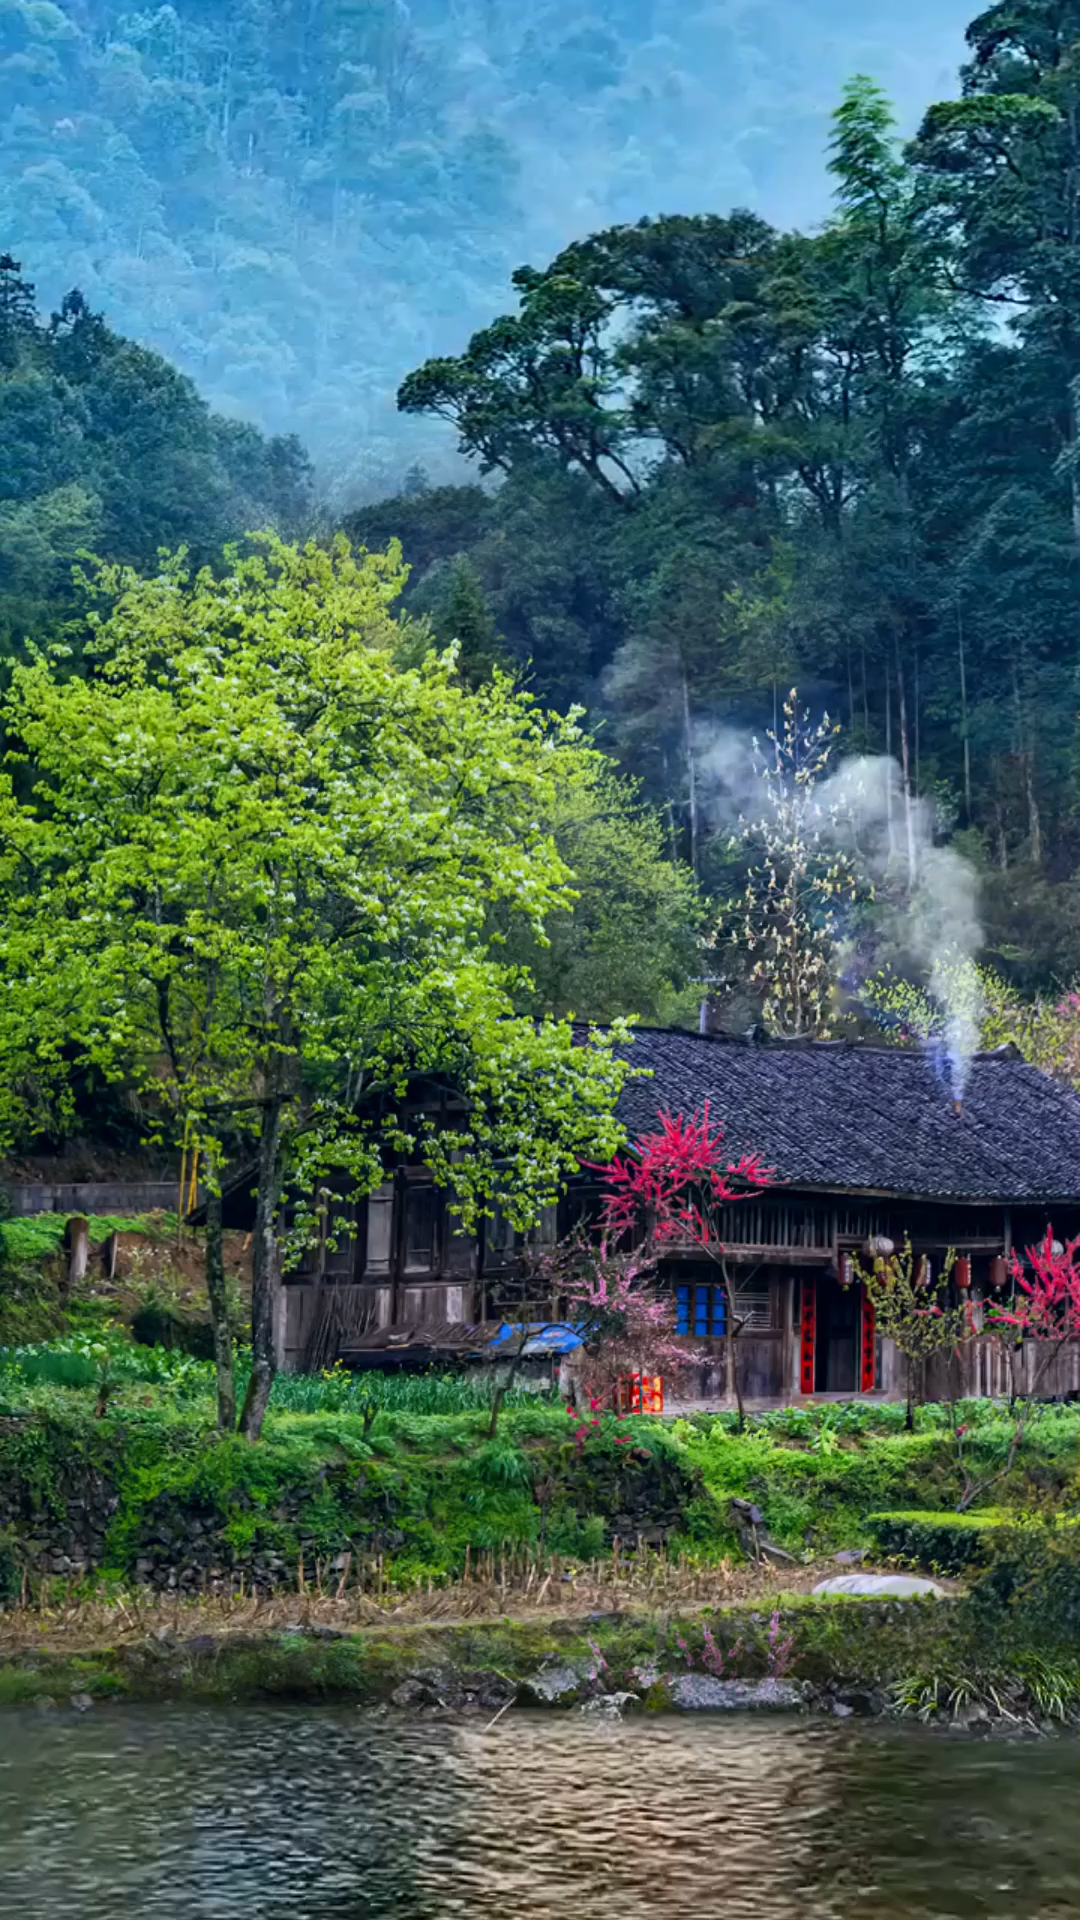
(494, 1588)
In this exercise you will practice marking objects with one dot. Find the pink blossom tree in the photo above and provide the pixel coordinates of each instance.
(627, 1324)
(667, 1194)
(1045, 1308)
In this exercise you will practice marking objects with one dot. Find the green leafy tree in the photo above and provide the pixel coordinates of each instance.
(629, 943)
(1004, 164)
(462, 618)
(252, 866)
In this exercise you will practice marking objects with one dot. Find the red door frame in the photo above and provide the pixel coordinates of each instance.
(867, 1350)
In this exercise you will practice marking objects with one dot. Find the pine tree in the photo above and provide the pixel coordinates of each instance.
(18, 310)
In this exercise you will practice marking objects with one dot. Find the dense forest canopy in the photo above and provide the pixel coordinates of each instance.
(295, 200)
(731, 458)
(714, 456)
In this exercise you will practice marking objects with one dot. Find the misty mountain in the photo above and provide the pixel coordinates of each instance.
(297, 201)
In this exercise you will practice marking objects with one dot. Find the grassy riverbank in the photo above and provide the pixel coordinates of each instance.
(769, 1649)
(380, 1529)
(110, 1465)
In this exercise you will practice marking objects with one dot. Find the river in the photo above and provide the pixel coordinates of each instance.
(279, 1813)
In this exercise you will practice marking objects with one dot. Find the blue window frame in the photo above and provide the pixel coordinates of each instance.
(701, 1311)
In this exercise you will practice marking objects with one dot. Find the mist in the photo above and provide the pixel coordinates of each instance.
(299, 204)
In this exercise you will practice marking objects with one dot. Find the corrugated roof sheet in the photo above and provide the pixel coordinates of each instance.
(855, 1118)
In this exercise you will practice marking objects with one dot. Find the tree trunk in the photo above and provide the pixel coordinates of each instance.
(219, 1307)
(1075, 461)
(888, 755)
(905, 763)
(964, 726)
(1025, 758)
(731, 1357)
(691, 774)
(264, 1278)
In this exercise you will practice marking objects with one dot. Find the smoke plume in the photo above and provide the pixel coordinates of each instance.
(925, 923)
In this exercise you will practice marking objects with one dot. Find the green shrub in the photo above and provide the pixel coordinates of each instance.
(1028, 1592)
(942, 1542)
(952, 1543)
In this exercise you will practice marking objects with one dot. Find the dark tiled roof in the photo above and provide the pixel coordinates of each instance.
(855, 1118)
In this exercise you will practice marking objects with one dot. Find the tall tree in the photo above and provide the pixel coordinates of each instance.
(259, 873)
(1003, 164)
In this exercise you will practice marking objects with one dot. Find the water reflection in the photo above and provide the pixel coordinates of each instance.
(292, 1813)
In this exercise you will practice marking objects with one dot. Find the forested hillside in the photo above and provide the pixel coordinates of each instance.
(712, 456)
(733, 458)
(106, 448)
(295, 200)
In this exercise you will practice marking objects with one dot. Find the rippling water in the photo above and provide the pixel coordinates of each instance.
(281, 1814)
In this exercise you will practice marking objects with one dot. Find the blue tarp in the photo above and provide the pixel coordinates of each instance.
(543, 1338)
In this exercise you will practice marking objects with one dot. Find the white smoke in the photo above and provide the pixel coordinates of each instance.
(928, 894)
(926, 917)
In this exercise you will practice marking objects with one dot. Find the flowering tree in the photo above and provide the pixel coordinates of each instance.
(626, 1323)
(789, 918)
(911, 1310)
(1045, 1031)
(1045, 1308)
(254, 866)
(669, 1194)
(1046, 1302)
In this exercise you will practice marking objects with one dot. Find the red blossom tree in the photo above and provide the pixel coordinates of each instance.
(669, 1192)
(1045, 1308)
(1046, 1301)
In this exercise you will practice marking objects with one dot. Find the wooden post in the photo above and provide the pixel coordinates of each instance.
(77, 1235)
(787, 1339)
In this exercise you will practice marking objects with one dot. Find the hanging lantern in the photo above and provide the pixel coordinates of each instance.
(845, 1269)
(962, 1272)
(1056, 1247)
(924, 1272)
(879, 1246)
(998, 1271)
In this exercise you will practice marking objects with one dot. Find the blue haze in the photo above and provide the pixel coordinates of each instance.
(299, 200)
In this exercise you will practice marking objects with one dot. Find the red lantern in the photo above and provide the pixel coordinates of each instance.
(962, 1271)
(998, 1271)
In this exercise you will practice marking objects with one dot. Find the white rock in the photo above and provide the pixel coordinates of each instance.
(611, 1706)
(882, 1586)
(558, 1683)
(700, 1693)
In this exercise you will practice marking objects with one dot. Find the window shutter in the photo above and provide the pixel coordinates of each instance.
(380, 1229)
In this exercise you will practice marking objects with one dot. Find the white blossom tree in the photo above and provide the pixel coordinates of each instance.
(789, 921)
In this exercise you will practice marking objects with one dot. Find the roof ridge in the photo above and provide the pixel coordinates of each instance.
(782, 1043)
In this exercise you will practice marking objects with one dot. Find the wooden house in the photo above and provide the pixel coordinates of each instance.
(868, 1147)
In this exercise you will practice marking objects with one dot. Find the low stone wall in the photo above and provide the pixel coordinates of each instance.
(125, 1197)
(213, 1515)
